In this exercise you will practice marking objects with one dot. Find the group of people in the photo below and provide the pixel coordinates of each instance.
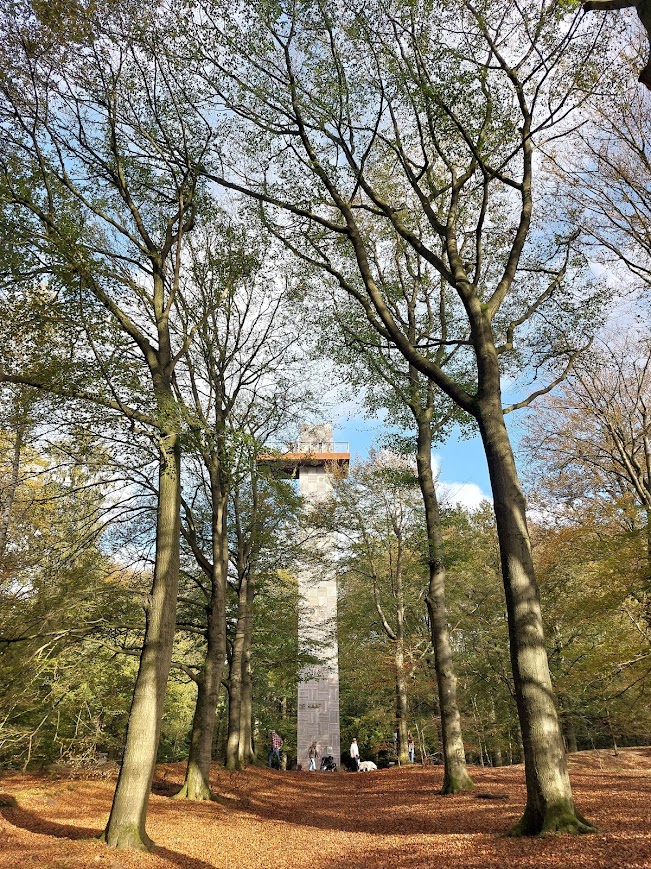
(313, 755)
(313, 751)
(277, 743)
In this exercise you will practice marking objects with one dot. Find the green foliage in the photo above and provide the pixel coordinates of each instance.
(383, 640)
(65, 609)
(277, 660)
(598, 625)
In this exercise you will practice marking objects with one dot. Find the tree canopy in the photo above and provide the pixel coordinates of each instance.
(208, 213)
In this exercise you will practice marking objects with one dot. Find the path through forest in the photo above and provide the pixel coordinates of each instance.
(390, 818)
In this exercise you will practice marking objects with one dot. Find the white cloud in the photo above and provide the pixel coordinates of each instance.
(468, 495)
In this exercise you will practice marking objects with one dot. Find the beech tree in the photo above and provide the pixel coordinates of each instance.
(386, 380)
(377, 510)
(236, 386)
(479, 634)
(265, 543)
(370, 117)
(99, 162)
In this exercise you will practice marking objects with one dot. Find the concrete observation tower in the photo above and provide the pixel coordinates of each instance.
(314, 459)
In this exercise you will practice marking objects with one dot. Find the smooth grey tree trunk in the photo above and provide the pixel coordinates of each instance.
(197, 778)
(495, 744)
(233, 754)
(455, 774)
(402, 705)
(246, 754)
(549, 807)
(126, 824)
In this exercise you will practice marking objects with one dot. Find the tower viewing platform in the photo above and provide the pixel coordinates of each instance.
(307, 453)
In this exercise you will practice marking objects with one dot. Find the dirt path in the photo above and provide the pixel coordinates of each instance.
(392, 818)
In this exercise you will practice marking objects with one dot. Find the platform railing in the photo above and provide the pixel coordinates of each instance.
(320, 447)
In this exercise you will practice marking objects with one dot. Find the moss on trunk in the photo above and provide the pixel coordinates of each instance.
(195, 786)
(457, 783)
(128, 836)
(560, 817)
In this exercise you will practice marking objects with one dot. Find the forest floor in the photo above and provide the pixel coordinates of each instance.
(292, 820)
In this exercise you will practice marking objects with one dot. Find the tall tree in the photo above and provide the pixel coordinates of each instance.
(377, 510)
(379, 115)
(236, 386)
(106, 179)
(265, 541)
(387, 380)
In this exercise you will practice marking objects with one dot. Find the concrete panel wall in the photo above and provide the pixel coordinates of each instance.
(318, 689)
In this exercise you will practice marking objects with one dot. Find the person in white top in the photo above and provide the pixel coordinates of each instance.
(313, 755)
(354, 753)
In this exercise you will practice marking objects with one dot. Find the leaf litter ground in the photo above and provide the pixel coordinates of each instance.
(291, 820)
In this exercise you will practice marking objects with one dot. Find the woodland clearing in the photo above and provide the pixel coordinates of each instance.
(262, 819)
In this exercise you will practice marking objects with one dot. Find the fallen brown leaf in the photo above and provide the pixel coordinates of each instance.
(288, 820)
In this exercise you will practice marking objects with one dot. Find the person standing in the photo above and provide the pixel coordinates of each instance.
(313, 754)
(354, 753)
(276, 745)
(410, 747)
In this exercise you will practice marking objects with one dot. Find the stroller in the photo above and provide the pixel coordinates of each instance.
(328, 764)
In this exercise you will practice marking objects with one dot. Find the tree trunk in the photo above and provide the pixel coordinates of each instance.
(10, 492)
(496, 754)
(647, 578)
(549, 807)
(126, 824)
(233, 751)
(402, 711)
(402, 705)
(196, 785)
(455, 775)
(495, 741)
(197, 777)
(246, 752)
(569, 734)
(567, 724)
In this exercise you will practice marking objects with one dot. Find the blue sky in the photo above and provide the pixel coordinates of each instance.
(463, 471)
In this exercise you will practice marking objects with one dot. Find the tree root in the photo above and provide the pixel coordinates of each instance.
(559, 818)
(202, 793)
(128, 837)
(456, 785)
